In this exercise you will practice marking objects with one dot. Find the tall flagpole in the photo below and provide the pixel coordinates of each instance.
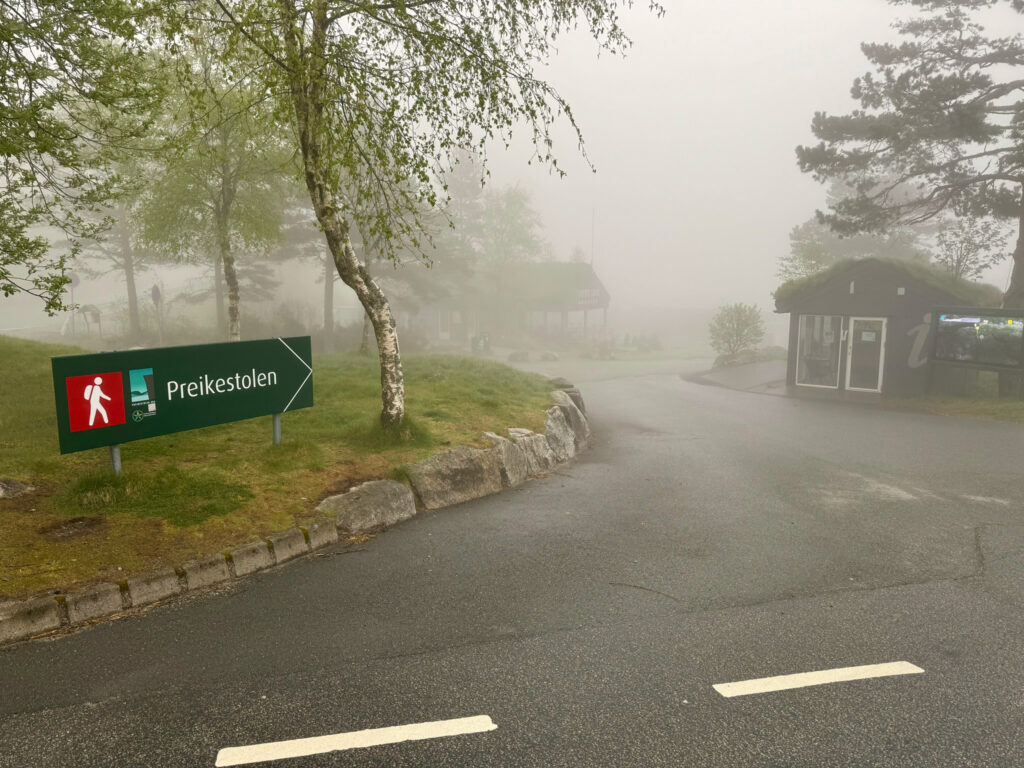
(592, 215)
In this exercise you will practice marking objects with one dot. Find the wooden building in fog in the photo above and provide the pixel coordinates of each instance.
(559, 301)
(865, 327)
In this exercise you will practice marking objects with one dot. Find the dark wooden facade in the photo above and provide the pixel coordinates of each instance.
(864, 315)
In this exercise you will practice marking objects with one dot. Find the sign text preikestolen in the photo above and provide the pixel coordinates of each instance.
(115, 397)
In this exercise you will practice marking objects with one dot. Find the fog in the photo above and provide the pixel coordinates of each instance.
(692, 138)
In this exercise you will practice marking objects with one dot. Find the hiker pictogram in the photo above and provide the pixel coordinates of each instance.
(95, 401)
(94, 395)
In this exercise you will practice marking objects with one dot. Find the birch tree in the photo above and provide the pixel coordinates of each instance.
(119, 250)
(223, 190)
(968, 247)
(384, 93)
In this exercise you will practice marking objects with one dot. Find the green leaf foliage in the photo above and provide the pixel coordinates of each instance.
(396, 91)
(72, 82)
(967, 247)
(814, 245)
(228, 172)
(736, 328)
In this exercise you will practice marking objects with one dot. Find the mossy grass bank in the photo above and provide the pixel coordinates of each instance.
(194, 493)
(984, 402)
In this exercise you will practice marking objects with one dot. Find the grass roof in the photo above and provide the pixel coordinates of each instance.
(964, 291)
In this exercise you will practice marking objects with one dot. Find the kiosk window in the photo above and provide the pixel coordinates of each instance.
(980, 339)
(817, 363)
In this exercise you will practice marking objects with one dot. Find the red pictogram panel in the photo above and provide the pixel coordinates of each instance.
(95, 401)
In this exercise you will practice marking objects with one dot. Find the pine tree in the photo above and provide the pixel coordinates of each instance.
(940, 128)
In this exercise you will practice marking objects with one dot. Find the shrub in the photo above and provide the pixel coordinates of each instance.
(735, 328)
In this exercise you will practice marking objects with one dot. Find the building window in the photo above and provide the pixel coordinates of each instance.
(817, 356)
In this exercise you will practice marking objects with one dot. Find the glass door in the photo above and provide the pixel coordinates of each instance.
(865, 354)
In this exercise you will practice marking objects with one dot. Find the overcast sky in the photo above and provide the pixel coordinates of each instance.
(693, 137)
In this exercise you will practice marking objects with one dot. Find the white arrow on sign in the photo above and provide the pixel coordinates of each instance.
(303, 381)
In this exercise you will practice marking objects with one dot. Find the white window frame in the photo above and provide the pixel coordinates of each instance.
(799, 343)
(881, 355)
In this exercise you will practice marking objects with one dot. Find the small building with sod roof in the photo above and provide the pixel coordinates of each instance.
(865, 327)
(558, 301)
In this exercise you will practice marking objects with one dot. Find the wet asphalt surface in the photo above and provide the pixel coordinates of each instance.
(708, 536)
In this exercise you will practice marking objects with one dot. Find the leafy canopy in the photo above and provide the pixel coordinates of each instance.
(72, 82)
(814, 246)
(735, 328)
(398, 89)
(229, 168)
(967, 247)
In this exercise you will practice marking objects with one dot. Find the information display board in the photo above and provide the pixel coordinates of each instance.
(116, 397)
(981, 339)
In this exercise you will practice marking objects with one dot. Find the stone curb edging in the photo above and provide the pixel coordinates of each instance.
(452, 477)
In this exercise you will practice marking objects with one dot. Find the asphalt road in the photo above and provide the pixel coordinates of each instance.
(708, 537)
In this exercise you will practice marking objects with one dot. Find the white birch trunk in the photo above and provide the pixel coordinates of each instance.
(306, 84)
(328, 303)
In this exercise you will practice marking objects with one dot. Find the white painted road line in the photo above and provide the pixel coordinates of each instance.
(805, 679)
(374, 737)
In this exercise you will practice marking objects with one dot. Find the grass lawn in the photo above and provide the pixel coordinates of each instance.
(195, 493)
(984, 403)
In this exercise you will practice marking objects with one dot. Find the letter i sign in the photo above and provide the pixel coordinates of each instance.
(95, 401)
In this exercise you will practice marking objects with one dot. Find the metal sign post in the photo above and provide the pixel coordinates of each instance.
(116, 397)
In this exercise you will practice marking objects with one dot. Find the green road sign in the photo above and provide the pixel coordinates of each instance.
(115, 397)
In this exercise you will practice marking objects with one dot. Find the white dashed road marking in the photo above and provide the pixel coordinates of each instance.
(280, 750)
(822, 677)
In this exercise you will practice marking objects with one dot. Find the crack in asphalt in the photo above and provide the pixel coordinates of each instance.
(645, 589)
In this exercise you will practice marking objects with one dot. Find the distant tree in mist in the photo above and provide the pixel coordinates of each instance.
(119, 249)
(967, 247)
(938, 128)
(301, 238)
(116, 245)
(814, 245)
(512, 228)
(488, 224)
(736, 328)
(224, 190)
(463, 218)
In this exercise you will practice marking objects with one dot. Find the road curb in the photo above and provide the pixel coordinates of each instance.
(29, 618)
(152, 587)
(249, 558)
(93, 603)
(288, 545)
(40, 616)
(203, 573)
